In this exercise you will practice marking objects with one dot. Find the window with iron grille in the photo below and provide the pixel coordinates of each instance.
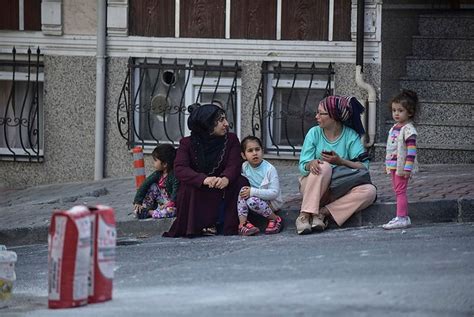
(21, 107)
(285, 106)
(153, 105)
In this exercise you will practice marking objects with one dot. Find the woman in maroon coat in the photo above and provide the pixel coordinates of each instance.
(207, 165)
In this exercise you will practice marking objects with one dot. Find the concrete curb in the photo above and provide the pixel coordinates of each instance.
(125, 230)
(436, 211)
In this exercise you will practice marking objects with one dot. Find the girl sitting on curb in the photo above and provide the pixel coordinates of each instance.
(263, 196)
(156, 197)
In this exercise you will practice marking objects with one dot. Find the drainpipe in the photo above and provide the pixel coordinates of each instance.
(359, 76)
(100, 89)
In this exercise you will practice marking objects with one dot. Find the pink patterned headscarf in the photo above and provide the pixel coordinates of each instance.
(345, 109)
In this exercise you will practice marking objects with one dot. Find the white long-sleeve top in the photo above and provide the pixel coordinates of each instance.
(264, 183)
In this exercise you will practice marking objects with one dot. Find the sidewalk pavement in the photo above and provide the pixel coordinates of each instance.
(439, 193)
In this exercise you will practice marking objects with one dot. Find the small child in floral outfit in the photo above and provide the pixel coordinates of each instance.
(400, 159)
(156, 197)
(263, 196)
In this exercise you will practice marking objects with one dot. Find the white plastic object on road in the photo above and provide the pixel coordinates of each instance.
(7, 274)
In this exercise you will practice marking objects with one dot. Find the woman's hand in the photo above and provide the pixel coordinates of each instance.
(331, 157)
(245, 192)
(222, 182)
(210, 181)
(313, 166)
(216, 182)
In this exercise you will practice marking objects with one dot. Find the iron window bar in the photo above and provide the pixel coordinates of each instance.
(28, 115)
(131, 104)
(263, 114)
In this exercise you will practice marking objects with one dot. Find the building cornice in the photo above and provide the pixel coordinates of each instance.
(186, 48)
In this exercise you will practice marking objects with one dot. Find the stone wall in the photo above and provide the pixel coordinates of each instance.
(69, 125)
(118, 161)
(399, 26)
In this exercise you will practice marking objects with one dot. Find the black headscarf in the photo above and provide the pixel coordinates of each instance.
(209, 149)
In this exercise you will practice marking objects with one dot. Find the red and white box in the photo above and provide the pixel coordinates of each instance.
(104, 237)
(69, 257)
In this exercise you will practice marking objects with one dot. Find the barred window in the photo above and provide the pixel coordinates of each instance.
(287, 104)
(153, 104)
(21, 107)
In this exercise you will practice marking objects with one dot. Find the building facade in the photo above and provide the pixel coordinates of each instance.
(266, 62)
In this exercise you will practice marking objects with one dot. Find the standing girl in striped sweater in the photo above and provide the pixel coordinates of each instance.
(400, 159)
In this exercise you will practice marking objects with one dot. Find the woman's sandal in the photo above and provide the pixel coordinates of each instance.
(209, 231)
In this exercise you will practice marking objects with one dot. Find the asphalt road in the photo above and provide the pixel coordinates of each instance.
(422, 271)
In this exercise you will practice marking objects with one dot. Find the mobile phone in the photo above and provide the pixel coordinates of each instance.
(327, 152)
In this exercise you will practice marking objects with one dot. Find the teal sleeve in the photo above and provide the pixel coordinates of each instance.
(308, 151)
(357, 152)
(145, 186)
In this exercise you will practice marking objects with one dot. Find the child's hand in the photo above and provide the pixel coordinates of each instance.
(245, 192)
(405, 174)
(137, 208)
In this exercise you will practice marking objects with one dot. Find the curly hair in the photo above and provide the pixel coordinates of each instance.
(408, 99)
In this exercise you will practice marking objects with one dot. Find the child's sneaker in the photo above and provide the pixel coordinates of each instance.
(248, 229)
(159, 214)
(171, 214)
(143, 214)
(398, 223)
(274, 226)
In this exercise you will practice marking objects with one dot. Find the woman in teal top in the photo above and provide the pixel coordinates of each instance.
(335, 141)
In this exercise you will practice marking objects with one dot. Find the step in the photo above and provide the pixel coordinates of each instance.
(433, 153)
(441, 90)
(450, 47)
(440, 68)
(133, 232)
(461, 24)
(439, 112)
(376, 214)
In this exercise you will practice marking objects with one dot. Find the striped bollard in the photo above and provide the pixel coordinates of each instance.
(139, 165)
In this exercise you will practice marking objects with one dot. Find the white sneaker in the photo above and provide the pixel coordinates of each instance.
(398, 223)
